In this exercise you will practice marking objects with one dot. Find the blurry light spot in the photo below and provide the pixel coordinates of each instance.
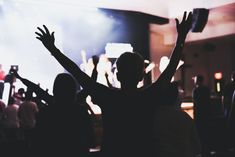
(114, 50)
(218, 75)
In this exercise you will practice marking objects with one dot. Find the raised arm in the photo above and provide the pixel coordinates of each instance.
(94, 73)
(182, 29)
(82, 95)
(35, 88)
(48, 41)
(107, 80)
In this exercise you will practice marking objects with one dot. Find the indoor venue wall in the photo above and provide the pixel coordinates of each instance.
(204, 57)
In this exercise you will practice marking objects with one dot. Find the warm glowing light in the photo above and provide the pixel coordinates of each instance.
(149, 67)
(188, 108)
(180, 63)
(187, 104)
(218, 87)
(218, 75)
(163, 63)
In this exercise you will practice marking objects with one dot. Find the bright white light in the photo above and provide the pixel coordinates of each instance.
(95, 108)
(180, 63)
(18, 45)
(6, 92)
(114, 50)
(187, 104)
(149, 67)
(95, 18)
(218, 87)
(164, 61)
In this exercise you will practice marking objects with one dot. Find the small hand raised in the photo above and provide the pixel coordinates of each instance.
(47, 38)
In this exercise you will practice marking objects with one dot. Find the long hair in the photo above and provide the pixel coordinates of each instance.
(64, 88)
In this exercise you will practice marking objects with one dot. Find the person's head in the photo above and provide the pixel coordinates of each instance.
(130, 67)
(64, 89)
(21, 91)
(198, 80)
(20, 94)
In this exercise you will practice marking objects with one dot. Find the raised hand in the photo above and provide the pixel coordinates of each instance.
(95, 60)
(15, 73)
(46, 38)
(184, 27)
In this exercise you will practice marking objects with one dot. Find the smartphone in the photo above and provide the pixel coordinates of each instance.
(14, 68)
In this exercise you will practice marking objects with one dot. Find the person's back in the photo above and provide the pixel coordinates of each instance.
(201, 100)
(11, 115)
(175, 134)
(61, 126)
(201, 111)
(11, 121)
(62, 131)
(228, 94)
(127, 113)
(27, 112)
(127, 120)
(231, 122)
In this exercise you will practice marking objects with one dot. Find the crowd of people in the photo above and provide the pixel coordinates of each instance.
(146, 121)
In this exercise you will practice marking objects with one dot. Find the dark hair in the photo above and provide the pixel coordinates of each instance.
(64, 88)
(21, 91)
(131, 65)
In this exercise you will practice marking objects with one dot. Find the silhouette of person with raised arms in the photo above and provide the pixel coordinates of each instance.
(63, 127)
(127, 113)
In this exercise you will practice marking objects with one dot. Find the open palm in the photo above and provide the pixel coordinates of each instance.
(46, 38)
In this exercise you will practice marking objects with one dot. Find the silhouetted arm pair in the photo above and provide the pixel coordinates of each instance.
(35, 88)
(48, 41)
(182, 29)
(82, 95)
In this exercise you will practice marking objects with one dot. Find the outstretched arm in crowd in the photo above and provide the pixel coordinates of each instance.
(107, 80)
(35, 88)
(182, 28)
(82, 95)
(48, 41)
